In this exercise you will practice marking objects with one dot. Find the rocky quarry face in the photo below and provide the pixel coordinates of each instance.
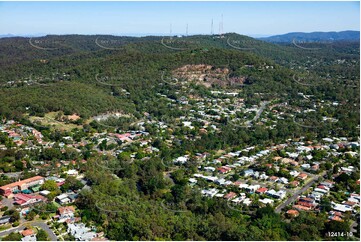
(207, 75)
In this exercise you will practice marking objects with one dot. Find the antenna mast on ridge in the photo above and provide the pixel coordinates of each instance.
(221, 26)
(170, 31)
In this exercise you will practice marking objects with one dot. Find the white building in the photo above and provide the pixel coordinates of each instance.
(81, 232)
(266, 201)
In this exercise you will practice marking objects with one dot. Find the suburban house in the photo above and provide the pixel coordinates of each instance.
(261, 190)
(27, 199)
(341, 207)
(4, 219)
(66, 198)
(62, 199)
(72, 172)
(279, 195)
(247, 201)
(224, 169)
(273, 178)
(266, 201)
(248, 172)
(209, 168)
(302, 176)
(253, 188)
(294, 173)
(29, 235)
(293, 184)
(283, 180)
(181, 160)
(81, 232)
(315, 167)
(292, 213)
(210, 193)
(66, 214)
(230, 195)
(301, 208)
(10, 189)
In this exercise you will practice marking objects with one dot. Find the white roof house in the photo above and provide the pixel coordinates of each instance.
(306, 166)
(220, 181)
(263, 176)
(72, 172)
(327, 140)
(81, 232)
(192, 180)
(238, 200)
(63, 198)
(44, 192)
(243, 185)
(266, 201)
(210, 192)
(247, 201)
(253, 188)
(341, 207)
(181, 160)
(294, 173)
(323, 191)
(209, 168)
(280, 194)
(29, 238)
(283, 180)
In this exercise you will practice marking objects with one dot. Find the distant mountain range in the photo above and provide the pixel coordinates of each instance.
(6, 35)
(348, 35)
(21, 35)
(314, 37)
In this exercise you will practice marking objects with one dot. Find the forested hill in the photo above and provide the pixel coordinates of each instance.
(56, 73)
(315, 37)
(19, 49)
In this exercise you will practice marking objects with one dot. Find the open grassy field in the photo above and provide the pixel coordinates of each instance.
(50, 121)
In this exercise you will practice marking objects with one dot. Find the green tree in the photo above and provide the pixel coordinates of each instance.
(12, 237)
(31, 215)
(49, 185)
(71, 183)
(42, 235)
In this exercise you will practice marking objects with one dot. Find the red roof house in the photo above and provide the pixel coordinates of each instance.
(261, 190)
(230, 195)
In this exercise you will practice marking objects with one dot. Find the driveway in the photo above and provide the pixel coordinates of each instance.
(7, 202)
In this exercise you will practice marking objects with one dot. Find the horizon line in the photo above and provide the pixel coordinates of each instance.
(9, 35)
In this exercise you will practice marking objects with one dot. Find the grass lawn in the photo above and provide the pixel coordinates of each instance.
(49, 121)
(5, 227)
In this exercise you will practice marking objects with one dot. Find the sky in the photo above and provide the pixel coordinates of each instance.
(141, 18)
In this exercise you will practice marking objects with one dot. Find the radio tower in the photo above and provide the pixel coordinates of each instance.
(187, 31)
(212, 27)
(221, 26)
(170, 31)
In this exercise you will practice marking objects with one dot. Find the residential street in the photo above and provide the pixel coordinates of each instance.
(263, 106)
(299, 192)
(42, 225)
(258, 114)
